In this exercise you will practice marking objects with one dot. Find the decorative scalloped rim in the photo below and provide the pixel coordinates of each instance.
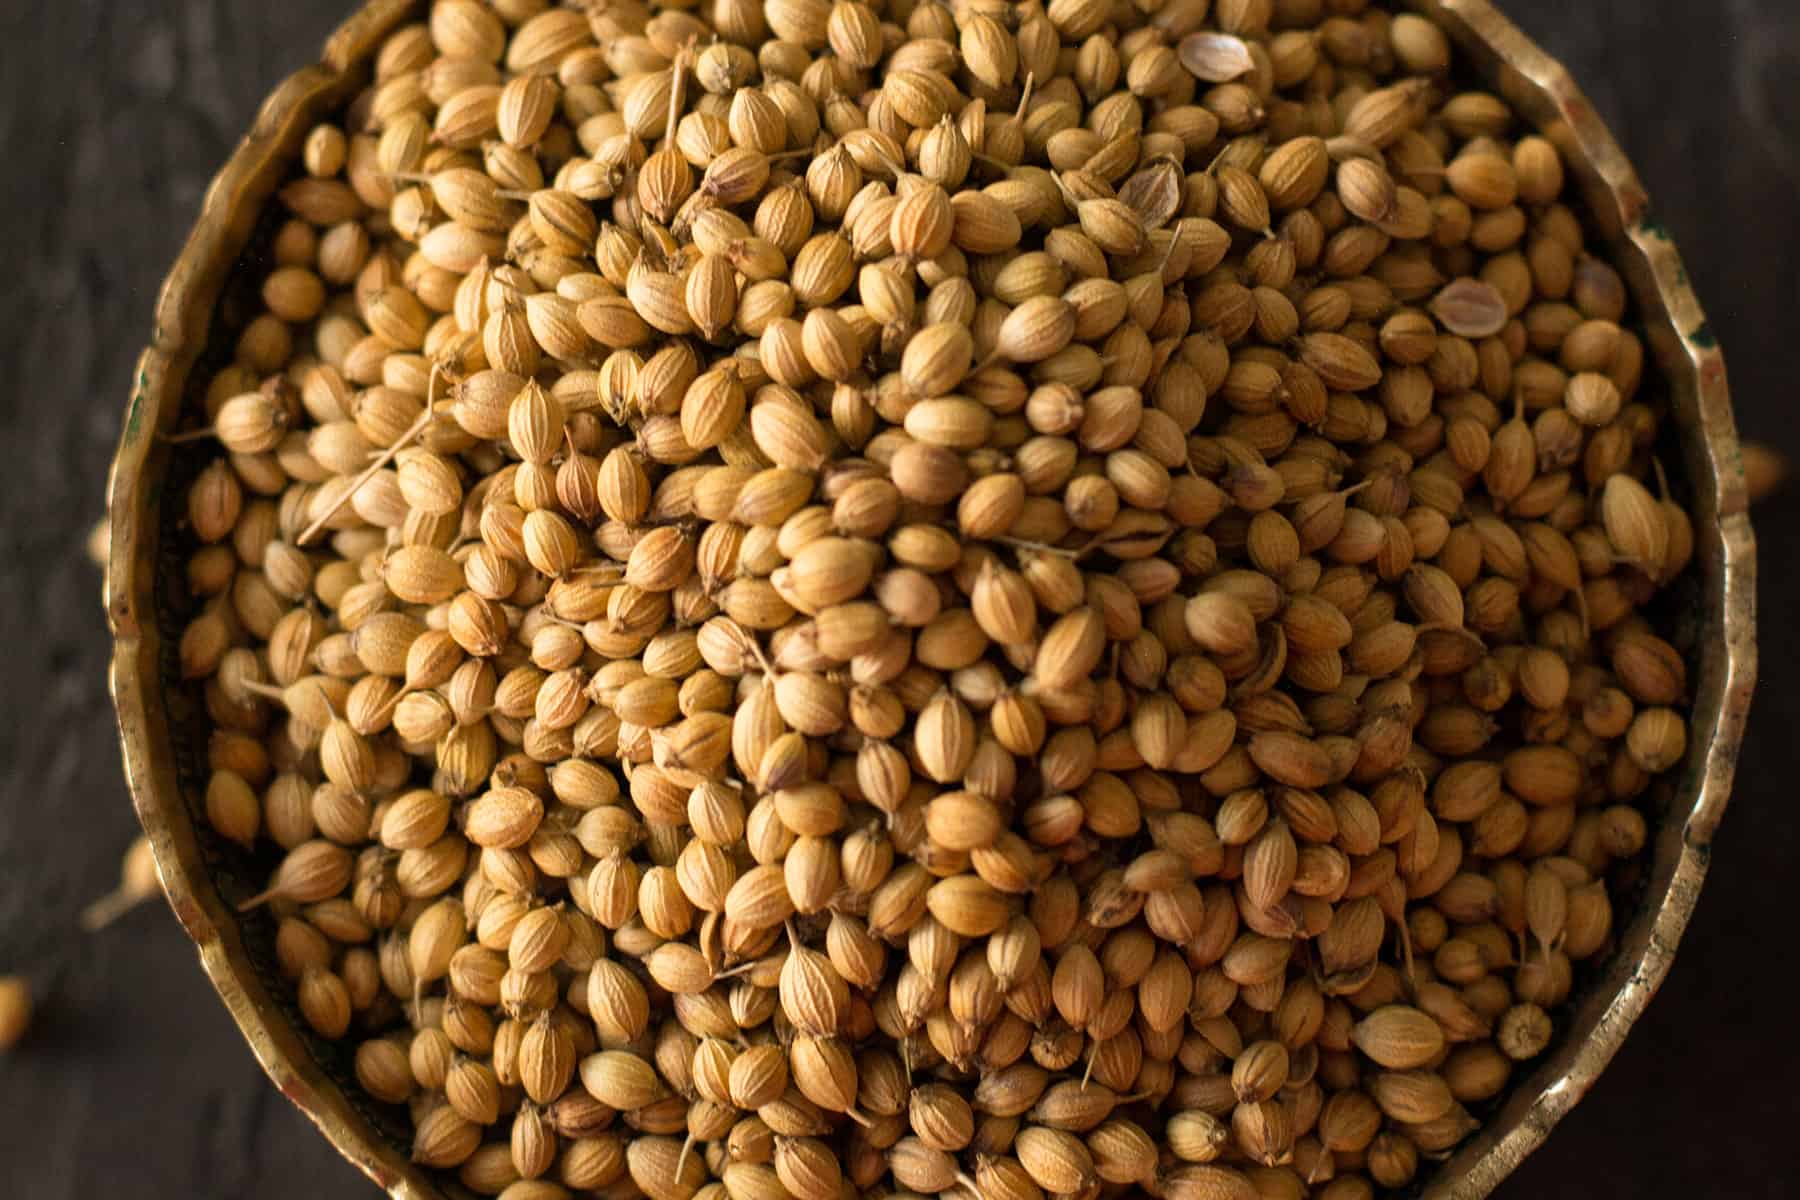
(1686, 355)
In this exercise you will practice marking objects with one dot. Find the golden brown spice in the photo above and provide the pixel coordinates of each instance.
(1765, 470)
(996, 600)
(137, 883)
(15, 1010)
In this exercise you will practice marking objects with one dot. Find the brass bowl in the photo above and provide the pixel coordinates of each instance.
(161, 728)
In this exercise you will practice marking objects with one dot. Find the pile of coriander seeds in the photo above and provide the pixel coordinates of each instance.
(831, 598)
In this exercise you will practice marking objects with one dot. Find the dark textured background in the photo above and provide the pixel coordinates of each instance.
(133, 1081)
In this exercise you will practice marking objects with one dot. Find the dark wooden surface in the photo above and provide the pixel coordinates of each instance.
(133, 1082)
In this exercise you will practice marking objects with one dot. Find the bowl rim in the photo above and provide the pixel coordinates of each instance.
(183, 318)
(1687, 355)
(1684, 349)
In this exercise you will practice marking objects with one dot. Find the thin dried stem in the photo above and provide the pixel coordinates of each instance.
(109, 908)
(383, 459)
